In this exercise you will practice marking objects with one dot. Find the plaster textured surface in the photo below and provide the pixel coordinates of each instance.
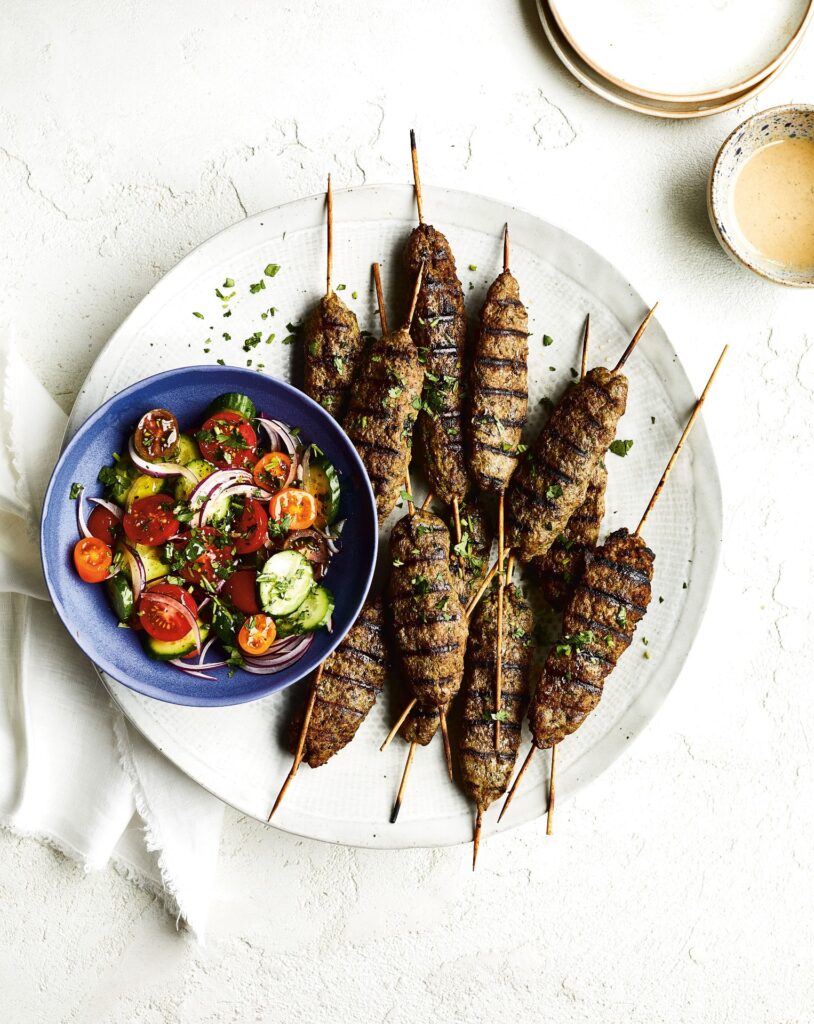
(676, 889)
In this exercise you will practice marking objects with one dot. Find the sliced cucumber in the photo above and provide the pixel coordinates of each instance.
(166, 650)
(312, 614)
(284, 582)
(120, 593)
(201, 468)
(322, 480)
(188, 450)
(143, 487)
(233, 401)
(153, 561)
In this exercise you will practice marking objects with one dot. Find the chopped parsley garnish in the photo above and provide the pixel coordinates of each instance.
(258, 286)
(272, 269)
(229, 283)
(496, 716)
(547, 340)
(341, 287)
(76, 490)
(473, 267)
(553, 492)
(621, 616)
(620, 447)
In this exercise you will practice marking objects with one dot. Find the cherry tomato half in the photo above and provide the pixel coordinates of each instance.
(104, 525)
(162, 621)
(92, 558)
(272, 471)
(150, 520)
(257, 634)
(249, 529)
(228, 440)
(214, 558)
(156, 436)
(241, 591)
(297, 505)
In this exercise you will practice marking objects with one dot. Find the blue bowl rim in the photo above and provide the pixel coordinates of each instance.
(102, 664)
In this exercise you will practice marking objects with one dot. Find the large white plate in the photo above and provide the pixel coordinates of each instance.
(695, 49)
(237, 752)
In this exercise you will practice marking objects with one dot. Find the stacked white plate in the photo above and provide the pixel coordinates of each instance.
(676, 60)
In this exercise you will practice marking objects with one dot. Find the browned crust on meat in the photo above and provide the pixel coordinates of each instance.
(439, 332)
(563, 564)
(382, 413)
(598, 625)
(552, 479)
(333, 350)
(421, 725)
(352, 679)
(499, 385)
(487, 772)
(429, 626)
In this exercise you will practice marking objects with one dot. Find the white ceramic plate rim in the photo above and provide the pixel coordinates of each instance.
(605, 89)
(576, 260)
(725, 92)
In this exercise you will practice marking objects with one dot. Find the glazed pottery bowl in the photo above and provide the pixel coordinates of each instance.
(774, 125)
(85, 610)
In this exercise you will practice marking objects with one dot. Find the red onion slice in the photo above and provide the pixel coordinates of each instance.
(279, 434)
(114, 510)
(170, 602)
(194, 671)
(277, 659)
(81, 521)
(159, 469)
(138, 574)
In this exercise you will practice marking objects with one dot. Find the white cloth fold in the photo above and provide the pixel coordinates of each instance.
(72, 773)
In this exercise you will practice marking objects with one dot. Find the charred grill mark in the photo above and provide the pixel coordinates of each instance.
(435, 649)
(340, 707)
(569, 443)
(507, 725)
(373, 659)
(628, 571)
(488, 419)
(489, 755)
(615, 598)
(352, 681)
(377, 448)
(505, 392)
(482, 446)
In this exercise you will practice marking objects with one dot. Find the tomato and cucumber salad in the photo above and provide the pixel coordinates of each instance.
(213, 542)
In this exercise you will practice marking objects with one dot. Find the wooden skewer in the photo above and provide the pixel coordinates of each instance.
(506, 247)
(306, 721)
(487, 579)
(516, 783)
(677, 450)
(416, 177)
(416, 290)
(447, 747)
(330, 202)
(476, 837)
(377, 280)
(427, 501)
(552, 793)
(552, 784)
(399, 723)
(456, 515)
(585, 335)
(400, 795)
(637, 337)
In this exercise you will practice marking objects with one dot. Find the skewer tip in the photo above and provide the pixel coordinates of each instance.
(506, 247)
(476, 837)
(412, 139)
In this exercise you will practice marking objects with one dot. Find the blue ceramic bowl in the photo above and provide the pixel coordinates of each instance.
(84, 608)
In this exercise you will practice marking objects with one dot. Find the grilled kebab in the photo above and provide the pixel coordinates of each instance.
(333, 343)
(352, 678)
(498, 397)
(487, 772)
(382, 413)
(429, 622)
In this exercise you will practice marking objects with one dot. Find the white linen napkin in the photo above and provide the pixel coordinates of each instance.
(72, 773)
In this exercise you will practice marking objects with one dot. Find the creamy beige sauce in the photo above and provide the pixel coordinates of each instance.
(774, 202)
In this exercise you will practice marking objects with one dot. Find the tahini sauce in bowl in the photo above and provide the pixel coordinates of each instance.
(773, 201)
(761, 195)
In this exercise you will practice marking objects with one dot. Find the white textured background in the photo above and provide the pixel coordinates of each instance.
(678, 888)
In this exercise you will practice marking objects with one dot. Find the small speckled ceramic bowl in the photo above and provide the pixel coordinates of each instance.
(773, 125)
